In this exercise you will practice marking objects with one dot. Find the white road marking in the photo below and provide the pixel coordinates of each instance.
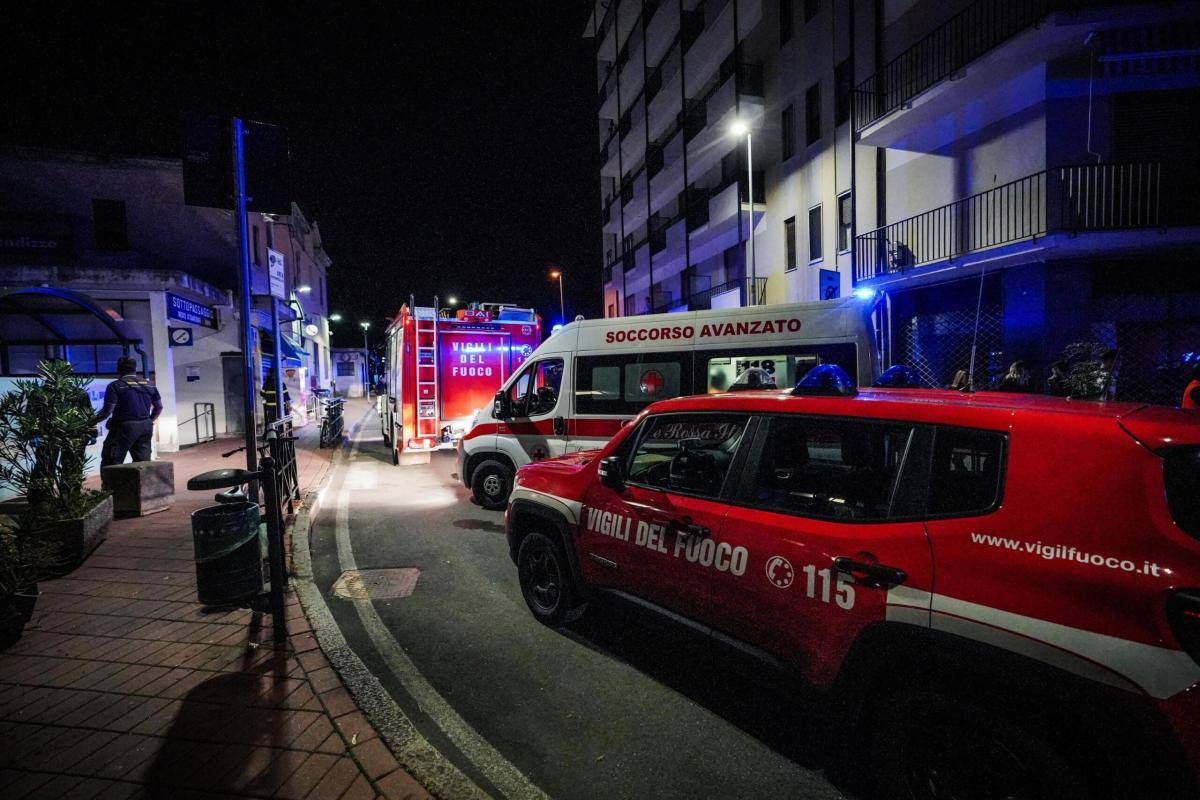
(511, 782)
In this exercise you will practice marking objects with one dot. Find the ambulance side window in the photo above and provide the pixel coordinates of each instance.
(535, 391)
(686, 453)
(718, 370)
(626, 383)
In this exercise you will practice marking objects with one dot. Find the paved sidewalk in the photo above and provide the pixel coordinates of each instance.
(121, 687)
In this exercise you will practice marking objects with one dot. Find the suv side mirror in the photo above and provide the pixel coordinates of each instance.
(501, 408)
(612, 472)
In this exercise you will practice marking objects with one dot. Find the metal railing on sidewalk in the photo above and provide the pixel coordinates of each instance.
(332, 422)
(206, 413)
(281, 446)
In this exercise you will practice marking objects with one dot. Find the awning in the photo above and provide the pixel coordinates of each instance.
(51, 315)
(292, 351)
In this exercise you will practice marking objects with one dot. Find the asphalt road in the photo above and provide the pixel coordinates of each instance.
(608, 708)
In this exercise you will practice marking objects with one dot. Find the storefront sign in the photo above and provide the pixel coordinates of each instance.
(191, 312)
(275, 267)
(35, 237)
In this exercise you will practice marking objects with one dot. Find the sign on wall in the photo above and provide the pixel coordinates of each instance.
(275, 268)
(191, 312)
(831, 285)
(179, 337)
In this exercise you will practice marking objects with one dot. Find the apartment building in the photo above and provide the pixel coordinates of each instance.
(1027, 164)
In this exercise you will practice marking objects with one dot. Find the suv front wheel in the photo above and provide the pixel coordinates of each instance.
(545, 579)
(931, 747)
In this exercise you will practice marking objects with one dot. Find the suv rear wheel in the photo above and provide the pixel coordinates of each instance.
(545, 580)
(491, 483)
(930, 747)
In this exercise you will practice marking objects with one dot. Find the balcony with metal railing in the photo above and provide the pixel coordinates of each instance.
(751, 292)
(980, 65)
(1010, 219)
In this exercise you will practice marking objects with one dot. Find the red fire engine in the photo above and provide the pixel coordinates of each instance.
(444, 364)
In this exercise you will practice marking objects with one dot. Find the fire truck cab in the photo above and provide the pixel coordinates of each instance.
(443, 364)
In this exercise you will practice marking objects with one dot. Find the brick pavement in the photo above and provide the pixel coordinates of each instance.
(122, 687)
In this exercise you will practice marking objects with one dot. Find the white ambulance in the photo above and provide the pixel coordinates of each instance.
(577, 389)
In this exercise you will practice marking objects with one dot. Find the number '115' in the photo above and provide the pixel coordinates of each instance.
(841, 588)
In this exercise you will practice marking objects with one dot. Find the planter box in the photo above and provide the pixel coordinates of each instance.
(140, 488)
(77, 537)
(15, 611)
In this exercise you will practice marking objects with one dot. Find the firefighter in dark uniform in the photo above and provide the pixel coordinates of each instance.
(134, 404)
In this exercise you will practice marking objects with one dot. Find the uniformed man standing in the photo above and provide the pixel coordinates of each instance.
(270, 403)
(134, 404)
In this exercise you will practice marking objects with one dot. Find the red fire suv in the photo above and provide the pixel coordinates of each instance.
(1000, 592)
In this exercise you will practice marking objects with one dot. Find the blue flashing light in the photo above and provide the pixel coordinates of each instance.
(825, 379)
(865, 293)
(556, 329)
(898, 377)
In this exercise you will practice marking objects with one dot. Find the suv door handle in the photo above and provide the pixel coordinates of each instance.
(689, 528)
(869, 574)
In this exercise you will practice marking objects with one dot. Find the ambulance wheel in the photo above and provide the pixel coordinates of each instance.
(491, 483)
(930, 747)
(545, 579)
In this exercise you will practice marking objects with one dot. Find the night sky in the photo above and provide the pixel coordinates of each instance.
(443, 148)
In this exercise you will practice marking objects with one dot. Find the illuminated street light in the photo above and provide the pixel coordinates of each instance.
(738, 129)
(335, 317)
(451, 301)
(367, 362)
(556, 274)
(304, 288)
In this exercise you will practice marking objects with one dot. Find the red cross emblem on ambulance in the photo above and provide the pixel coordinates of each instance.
(651, 382)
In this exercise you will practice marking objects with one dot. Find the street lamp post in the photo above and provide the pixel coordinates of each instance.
(366, 361)
(739, 129)
(556, 274)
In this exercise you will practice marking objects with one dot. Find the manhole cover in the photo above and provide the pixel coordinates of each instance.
(376, 584)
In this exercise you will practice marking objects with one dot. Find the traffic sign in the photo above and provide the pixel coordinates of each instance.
(180, 337)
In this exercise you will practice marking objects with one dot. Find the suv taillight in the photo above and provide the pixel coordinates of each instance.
(1183, 612)
(1181, 475)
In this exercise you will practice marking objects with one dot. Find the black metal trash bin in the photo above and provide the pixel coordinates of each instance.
(229, 553)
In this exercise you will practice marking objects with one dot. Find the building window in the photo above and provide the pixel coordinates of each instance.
(785, 21)
(255, 236)
(812, 114)
(843, 90)
(845, 218)
(788, 124)
(815, 252)
(612, 310)
(111, 226)
(811, 7)
(789, 242)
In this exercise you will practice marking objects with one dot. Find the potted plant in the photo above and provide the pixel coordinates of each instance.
(45, 427)
(20, 564)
